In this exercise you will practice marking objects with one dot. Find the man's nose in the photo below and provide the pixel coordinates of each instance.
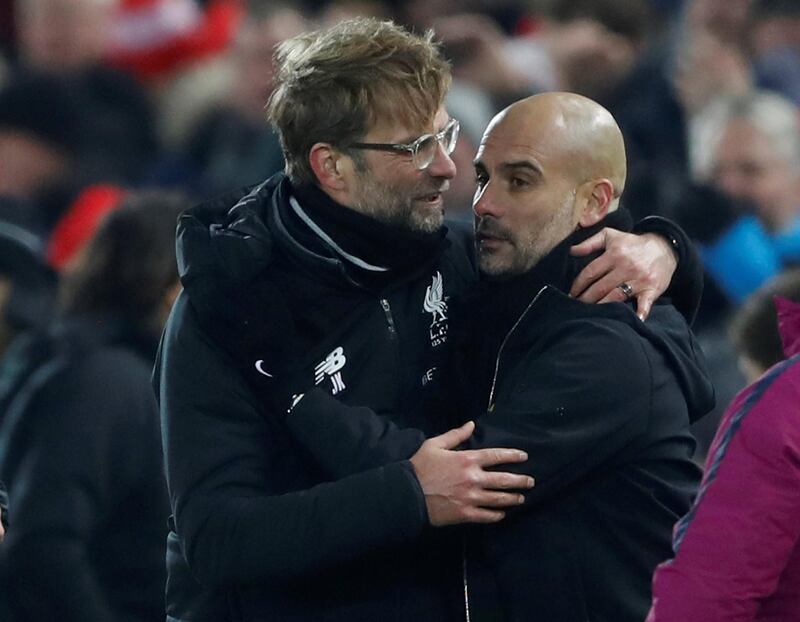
(483, 203)
(442, 165)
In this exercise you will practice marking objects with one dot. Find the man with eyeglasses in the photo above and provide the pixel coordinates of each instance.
(336, 274)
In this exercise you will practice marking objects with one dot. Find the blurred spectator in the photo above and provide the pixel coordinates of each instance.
(757, 161)
(737, 551)
(233, 145)
(485, 57)
(707, 75)
(583, 46)
(776, 46)
(153, 39)
(754, 329)
(80, 445)
(41, 140)
(70, 39)
(698, 59)
(27, 285)
(726, 19)
(595, 44)
(62, 36)
(747, 223)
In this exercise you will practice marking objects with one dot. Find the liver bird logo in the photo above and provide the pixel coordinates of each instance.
(434, 299)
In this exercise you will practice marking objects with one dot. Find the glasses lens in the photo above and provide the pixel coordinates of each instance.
(451, 137)
(426, 150)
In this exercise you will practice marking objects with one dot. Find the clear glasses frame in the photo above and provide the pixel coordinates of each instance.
(423, 149)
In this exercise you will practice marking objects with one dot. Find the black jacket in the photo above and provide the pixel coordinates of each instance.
(600, 401)
(602, 404)
(80, 454)
(269, 309)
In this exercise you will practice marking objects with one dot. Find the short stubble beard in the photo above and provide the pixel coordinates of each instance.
(528, 251)
(395, 206)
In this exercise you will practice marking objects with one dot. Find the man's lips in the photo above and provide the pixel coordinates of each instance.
(434, 195)
(491, 237)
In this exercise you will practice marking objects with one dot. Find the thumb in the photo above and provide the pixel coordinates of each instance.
(453, 438)
(590, 245)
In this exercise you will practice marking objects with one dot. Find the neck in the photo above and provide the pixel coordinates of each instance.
(507, 299)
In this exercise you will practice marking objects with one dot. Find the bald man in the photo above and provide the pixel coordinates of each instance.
(600, 401)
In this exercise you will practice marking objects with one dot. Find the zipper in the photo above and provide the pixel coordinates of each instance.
(387, 311)
(489, 408)
(464, 578)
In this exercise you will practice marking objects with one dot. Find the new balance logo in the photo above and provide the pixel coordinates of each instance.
(332, 366)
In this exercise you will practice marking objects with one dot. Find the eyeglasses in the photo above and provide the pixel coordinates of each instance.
(423, 149)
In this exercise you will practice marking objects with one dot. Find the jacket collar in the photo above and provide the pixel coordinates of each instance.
(505, 301)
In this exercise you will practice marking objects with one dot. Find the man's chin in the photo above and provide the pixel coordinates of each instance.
(427, 220)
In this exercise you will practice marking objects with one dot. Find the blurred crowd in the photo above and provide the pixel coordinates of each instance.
(117, 114)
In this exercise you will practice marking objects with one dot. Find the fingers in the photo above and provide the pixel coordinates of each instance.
(596, 270)
(604, 290)
(494, 456)
(491, 499)
(496, 480)
(482, 515)
(644, 302)
(591, 245)
(453, 438)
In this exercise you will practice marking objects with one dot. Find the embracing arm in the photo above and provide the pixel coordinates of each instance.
(229, 472)
(458, 485)
(348, 439)
(657, 258)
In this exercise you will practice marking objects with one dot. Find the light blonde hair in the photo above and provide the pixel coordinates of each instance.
(334, 85)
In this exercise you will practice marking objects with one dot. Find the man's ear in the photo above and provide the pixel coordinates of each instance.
(599, 195)
(327, 164)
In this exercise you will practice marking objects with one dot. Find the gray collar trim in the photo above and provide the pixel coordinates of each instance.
(327, 239)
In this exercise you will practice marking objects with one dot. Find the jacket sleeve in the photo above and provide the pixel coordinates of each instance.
(577, 401)
(686, 287)
(344, 439)
(235, 522)
(71, 474)
(732, 546)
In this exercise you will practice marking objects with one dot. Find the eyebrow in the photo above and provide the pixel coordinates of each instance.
(512, 166)
(527, 165)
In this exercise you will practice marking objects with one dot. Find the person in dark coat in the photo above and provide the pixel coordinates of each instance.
(339, 274)
(80, 447)
(600, 401)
